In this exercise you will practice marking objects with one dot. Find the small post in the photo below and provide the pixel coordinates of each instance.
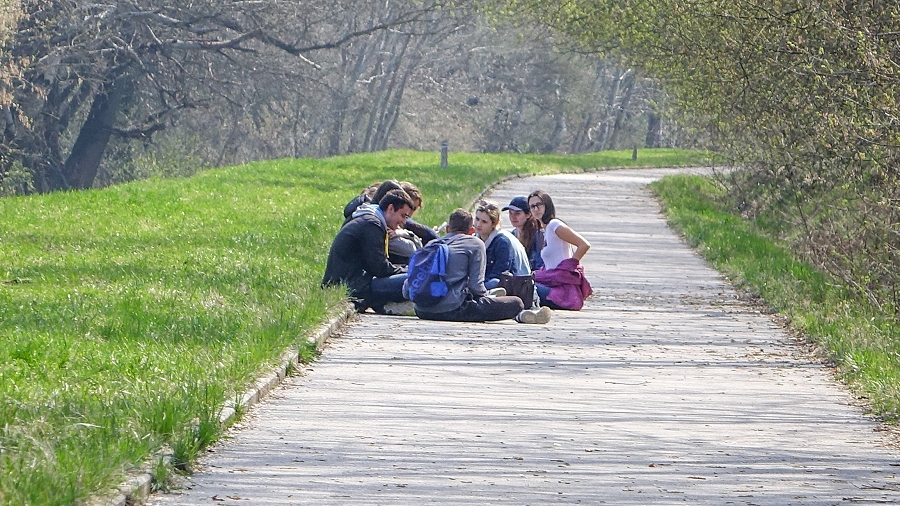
(444, 154)
(634, 153)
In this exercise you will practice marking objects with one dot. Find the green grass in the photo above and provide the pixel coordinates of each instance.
(130, 315)
(862, 342)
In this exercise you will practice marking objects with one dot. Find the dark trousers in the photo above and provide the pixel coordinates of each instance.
(484, 309)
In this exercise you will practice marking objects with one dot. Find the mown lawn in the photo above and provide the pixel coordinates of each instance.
(130, 316)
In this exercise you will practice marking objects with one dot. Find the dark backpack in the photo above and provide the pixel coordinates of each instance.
(427, 274)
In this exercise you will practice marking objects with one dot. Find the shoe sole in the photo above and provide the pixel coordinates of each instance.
(540, 316)
(543, 315)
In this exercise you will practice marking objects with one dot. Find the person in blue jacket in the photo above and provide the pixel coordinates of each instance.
(504, 252)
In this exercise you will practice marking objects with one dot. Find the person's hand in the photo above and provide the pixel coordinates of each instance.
(391, 233)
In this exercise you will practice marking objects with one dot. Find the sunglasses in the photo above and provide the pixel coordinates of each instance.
(537, 205)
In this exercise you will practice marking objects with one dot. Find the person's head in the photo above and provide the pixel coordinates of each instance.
(518, 211)
(397, 208)
(371, 189)
(460, 222)
(413, 193)
(385, 187)
(486, 219)
(541, 206)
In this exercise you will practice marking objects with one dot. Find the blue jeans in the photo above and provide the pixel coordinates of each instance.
(542, 292)
(389, 289)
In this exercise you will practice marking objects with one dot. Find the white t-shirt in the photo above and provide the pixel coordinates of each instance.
(555, 250)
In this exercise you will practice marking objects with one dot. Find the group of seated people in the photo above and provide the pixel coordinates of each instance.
(371, 252)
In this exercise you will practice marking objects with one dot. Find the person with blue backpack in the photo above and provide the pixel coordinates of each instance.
(446, 280)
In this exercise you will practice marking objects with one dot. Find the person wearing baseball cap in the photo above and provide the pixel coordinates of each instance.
(527, 229)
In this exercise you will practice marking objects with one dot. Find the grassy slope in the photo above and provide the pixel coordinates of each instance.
(129, 315)
(862, 342)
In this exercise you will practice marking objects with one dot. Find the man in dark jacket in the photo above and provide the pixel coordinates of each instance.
(358, 255)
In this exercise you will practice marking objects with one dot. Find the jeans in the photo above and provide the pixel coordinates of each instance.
(389, 289)
(542, 292)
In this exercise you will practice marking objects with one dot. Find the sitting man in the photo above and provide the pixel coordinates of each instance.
(404, 240)
(466, 299)
(358, 256)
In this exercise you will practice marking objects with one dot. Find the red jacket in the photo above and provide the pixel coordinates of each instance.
(568, 286)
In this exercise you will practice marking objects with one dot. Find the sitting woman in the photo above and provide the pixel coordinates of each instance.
(502, 250)
(560, 283)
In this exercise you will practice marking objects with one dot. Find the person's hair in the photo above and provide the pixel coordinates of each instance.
(549, 208)
(529, 230)
(412, 191)
(370, 190)
(490, 209)
(383, 189)
(398, 198)
(460, 221)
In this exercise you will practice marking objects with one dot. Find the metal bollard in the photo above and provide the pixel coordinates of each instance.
(444, 155)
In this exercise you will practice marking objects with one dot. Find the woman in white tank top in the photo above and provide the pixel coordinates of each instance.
(561, 243)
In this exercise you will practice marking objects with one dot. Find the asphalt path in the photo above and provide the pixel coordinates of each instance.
(667, 388)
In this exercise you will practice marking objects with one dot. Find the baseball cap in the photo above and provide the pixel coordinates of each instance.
(517, 204)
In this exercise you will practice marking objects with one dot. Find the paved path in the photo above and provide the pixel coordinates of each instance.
(665, 389)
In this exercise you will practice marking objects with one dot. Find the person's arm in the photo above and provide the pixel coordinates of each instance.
(476, 271)
(572, 237)
(403, 244)
(501, 253)
(423, 232)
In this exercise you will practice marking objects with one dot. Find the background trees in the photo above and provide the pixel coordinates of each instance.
(89, 73)
(802, 96)
(95, 94)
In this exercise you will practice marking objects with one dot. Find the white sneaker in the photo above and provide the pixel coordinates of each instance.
(496, 292)
(541, 315)
(405, 308)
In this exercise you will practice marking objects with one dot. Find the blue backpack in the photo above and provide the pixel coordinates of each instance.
(427, 274)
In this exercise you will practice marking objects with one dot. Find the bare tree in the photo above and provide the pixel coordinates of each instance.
(97, 71)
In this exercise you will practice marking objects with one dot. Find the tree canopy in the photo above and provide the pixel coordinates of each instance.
(803, 95)
(94, 94)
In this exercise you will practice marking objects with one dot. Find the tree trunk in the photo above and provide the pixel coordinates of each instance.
(384, 91)
(609, 113)
(83, 162)
(622, 109)
(654, 130)
(393, 112)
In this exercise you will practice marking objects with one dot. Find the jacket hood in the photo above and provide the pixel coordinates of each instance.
(370, 210)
